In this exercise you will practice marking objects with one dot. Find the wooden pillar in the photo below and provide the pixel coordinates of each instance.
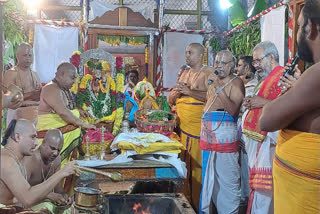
(123, 18)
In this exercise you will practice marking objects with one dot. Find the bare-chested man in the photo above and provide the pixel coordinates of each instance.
(189, 96)
(26, 79)
(19, 141)
(46, 161)
(219, 138)
(296, 113)
(57, 110)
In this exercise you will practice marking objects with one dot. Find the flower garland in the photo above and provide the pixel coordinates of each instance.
(97, 106)
(75, 60)
(116, 40)
(120, 95)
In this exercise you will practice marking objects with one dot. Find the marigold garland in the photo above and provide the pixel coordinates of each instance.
(84, 81)
(75, 86)
(105, 90)
(76, 53)
(88, 105)
(105, 66)
(119, 90)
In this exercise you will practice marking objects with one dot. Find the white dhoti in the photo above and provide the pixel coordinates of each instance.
(220, 163)
(260, 160)
(221, 183)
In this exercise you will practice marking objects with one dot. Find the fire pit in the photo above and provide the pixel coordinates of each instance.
(164, 203)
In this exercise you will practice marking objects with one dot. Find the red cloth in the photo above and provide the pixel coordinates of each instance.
(95, 136)
(269, 90)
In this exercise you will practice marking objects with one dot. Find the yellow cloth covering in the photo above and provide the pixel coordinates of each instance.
(296, 173)
(189, 111)
(153, 147)
(71, 134)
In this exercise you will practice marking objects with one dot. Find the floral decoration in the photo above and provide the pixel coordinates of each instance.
(75, 59)
(120, 96)
(101, 104)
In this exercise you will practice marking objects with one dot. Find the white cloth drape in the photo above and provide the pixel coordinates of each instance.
(273, 29)
(174, 54)
(52, 45)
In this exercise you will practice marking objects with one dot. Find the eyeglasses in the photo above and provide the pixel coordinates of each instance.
(258, 61)
(222, 63)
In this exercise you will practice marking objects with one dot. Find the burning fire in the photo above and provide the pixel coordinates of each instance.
(137, 207)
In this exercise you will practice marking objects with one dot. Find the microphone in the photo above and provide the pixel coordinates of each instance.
(289, 71)
(216, 72)
(293, 64)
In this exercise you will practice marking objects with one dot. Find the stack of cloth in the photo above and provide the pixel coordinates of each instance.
(146, 143)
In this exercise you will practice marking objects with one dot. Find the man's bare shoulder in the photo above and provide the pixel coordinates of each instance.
(8, 164)
(50, 88)
(312, 72)
(30, 161)
(238, 87)
(35, 73)
(12, 72)
(57, 162)
(238, 82)
(309, 81)
(208, 69)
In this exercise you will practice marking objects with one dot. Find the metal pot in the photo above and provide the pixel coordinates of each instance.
(86, 196)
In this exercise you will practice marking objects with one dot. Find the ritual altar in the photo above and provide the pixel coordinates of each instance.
(134, 138)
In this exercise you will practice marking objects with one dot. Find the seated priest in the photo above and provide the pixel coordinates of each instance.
(57, 110)
(43, 163)
(19, 141)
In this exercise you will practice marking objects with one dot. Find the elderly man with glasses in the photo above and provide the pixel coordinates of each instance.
(260, 145)
(219, 138)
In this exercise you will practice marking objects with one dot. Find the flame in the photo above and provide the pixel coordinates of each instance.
(137, 207)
